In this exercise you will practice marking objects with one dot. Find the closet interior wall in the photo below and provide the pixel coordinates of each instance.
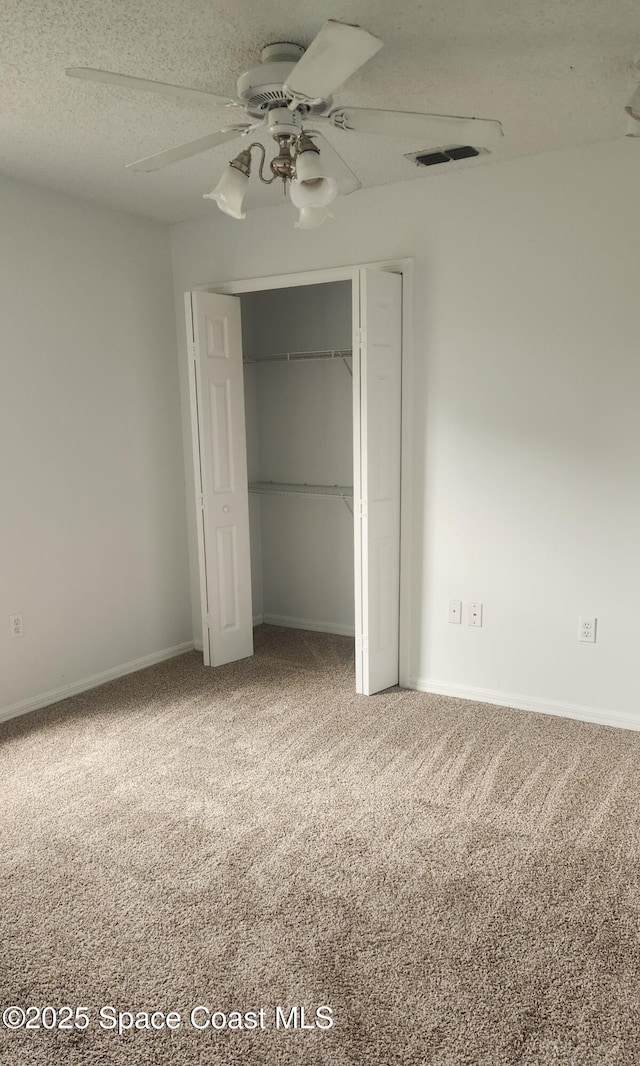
(299, 424)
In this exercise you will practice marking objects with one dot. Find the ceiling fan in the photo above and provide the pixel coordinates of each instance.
(290, 95)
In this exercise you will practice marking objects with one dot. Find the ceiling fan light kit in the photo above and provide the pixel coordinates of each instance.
(290, 92)
(298, 163)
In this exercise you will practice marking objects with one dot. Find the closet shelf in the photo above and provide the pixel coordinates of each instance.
(290, 357)
(344, 492)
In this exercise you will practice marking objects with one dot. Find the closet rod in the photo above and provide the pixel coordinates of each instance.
(281, 488)
(290, 357)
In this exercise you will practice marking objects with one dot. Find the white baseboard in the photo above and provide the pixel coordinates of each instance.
(44, 699)
(526, 703)
(308, 623)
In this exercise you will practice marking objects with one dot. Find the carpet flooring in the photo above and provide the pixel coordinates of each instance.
(459, 883)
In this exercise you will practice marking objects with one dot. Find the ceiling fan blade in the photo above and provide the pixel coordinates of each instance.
(179, 92)
(333, 56)
(335, 165)
(184, 151)
(432, 130)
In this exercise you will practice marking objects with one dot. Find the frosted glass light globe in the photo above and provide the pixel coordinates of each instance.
(315, 192)
(230, 192)
(311, 187)
(311, 217)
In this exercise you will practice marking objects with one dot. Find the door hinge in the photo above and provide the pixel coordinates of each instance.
(360, 509)
(201, 501)
(362, 644)
(360, 338)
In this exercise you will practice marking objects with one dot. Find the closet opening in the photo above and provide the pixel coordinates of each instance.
(298, 398)
(296, 418)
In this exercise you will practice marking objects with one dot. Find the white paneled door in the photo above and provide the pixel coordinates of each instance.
(217, 396)
(376, 433)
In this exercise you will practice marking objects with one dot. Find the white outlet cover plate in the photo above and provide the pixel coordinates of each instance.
(474, 614)
(587, 626)
(455, 611)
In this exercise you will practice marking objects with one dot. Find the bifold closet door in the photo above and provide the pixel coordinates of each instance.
(377, 429)
(220, 455)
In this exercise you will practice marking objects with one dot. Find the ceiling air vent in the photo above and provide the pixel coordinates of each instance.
(445, 155)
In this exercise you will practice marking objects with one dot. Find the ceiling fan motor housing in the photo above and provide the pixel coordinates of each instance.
(261, 89)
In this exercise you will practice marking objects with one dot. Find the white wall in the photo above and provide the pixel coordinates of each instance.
(300, 430)
(523, 407)
(296, 319)
(93, 534)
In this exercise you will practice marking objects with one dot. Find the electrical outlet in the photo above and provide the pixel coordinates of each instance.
(455, 611)
(16, 627)
(587, 626)
(474, 617)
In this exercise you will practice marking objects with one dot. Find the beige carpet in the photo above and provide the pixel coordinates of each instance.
(459, 883)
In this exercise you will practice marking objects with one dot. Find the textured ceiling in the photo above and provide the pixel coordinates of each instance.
(555, 72)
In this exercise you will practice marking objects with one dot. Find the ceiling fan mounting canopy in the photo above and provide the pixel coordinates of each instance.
(287, 51)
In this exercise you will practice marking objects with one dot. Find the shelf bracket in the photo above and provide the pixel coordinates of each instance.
(345, 500)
